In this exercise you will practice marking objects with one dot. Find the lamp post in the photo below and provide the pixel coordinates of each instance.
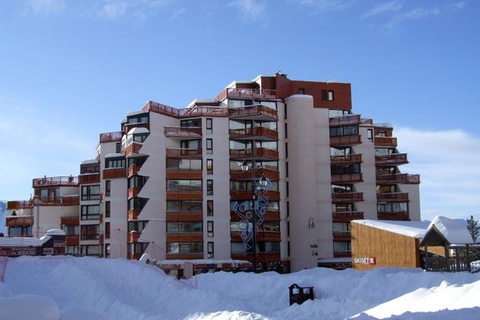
(253, 210)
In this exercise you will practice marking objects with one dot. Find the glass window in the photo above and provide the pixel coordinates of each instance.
(210, 208)
(210, 187)
(209, 146)
(91, 212)
(91, 192)
(209, 228)
(90, 232)
(115, 163)
(209, 166)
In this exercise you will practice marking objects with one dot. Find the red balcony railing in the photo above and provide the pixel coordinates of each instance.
(55, 181)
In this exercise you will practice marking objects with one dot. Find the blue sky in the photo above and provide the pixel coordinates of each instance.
(70, 70)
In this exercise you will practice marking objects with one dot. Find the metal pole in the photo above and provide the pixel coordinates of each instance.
(254, 213)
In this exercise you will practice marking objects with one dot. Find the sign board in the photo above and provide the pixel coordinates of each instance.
(370, 260)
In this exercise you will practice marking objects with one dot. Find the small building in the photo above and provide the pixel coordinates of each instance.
(53, 242)
(410, 244)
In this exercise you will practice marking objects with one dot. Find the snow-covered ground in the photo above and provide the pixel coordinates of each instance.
(70, 288)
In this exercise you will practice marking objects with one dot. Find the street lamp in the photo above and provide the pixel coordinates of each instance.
(253, 210)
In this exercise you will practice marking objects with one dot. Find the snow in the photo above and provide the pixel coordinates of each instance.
(453, 230)
(416, 229)
(74, 288)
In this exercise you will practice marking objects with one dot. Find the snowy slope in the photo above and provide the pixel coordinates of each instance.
(70, 288)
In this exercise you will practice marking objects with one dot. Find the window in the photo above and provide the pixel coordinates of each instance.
(138, 118)
(184, 227)
(343, 131)
(370, 134)
(301, 90)
(115, 163)
(209, 228)
(108, 186)
(71, 230)
(107, 230)
(210, 252)
(137, 181)
(210, 187)
(137, 226)
(184, 185)
(184, 206)
(91, 250)
(90, 168)
(20, 231)
(328, 95)
(184, 164)
(341, 227)
(209, 125)
(341, 246)
(90, 232)
(210, 208)
(107, 209)
(209, 146)
(90, 212)
(209, 166)
(195, 123)
(184, 247)
(351, 168)
(91, 192)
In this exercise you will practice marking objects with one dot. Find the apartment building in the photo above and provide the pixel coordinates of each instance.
(181, 184)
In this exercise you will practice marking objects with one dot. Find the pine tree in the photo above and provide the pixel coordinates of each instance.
(474, 228)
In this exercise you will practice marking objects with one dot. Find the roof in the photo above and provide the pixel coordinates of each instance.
(415, 229)
(447, 231)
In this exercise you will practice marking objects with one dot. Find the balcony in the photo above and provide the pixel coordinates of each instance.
(347, 197)
(114, 173)
(133, 148)
(342, 236)
(18, 205)
(110, 137)
(247, 175)
(247, 93)
(87, 178)
(342, 254)
(240, 195)
(19, 221)
(55, 181)
(258, 154)
(345, 216)
(133, 192)
(184, 195)
(391, 159)
(184, 237)
(256, 133)
(72, 240)
(385, 142)
(398, 216)
(347, 159)
(73, 200)
(133, 214)
(270, 215)
(184, 153)
(184, 174)
(184, 216)
(129, 126)
(70, 221)
(392, 197)
(345, 120)
(255, 112)
(345, 140)
(183, 133)
(133, 170)
(403, 178)
(133, 236)
(347, 178)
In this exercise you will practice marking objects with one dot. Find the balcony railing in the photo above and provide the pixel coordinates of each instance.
(72, 240)
(114, 173)
(345, 178)
(451, 264)
(345, 140)
(398, 216)
(385, 142)
(19, 221)
(17, 205)
(342, 235)
(55, 181)
(347, 197)
(89, 178)
(351, 158)
(246, 93)
(70, 221)
(345, 120)
(257, 112)
(341, 216)
(256, 133)
(247, 175)
(183, 133)
(257, 154)
(110, 137)
(134, 147)
(392, 197)
(403, 178)
(391, 159)
(184, 153)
